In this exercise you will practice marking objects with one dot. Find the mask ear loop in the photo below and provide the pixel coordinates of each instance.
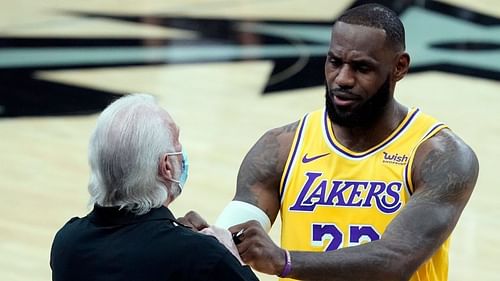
(180, 182)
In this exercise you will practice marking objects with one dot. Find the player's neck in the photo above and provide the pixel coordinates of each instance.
(361, 139)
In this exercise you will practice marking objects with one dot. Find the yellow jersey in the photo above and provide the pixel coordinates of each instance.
(332, 197)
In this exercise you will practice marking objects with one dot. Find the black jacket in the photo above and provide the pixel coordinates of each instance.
(111, 244)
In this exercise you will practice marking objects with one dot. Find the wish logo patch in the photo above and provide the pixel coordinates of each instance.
(399, 159)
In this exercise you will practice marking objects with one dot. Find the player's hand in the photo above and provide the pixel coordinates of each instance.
(194, 220)
(257, 249)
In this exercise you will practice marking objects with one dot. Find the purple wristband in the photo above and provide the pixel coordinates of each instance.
(288, 265)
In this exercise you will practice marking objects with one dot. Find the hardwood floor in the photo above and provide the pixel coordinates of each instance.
(217, 100)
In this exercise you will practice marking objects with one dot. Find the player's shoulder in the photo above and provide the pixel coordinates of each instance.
(286, 133)
(284, 130)
(280, 138)
(289, 130)
(446, 155)
(449, 144)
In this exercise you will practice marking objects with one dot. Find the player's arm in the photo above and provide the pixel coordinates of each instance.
(257, 190)
(444, 174)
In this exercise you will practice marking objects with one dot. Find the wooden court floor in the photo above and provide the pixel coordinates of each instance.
(221, 111)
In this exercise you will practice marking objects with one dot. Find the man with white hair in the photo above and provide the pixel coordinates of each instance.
(138, 167)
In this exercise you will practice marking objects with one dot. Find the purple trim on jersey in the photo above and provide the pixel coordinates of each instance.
(299, 137)
(431, 131)
(339, 149)
(408, 188)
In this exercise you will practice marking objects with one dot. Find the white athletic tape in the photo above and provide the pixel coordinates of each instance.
(237, 212)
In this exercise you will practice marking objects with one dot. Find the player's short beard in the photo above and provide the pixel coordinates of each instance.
(363, 115)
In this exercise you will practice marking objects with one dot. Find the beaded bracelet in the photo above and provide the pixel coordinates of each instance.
(288, 265)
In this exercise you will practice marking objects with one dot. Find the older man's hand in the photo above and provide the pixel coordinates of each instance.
(194, 220)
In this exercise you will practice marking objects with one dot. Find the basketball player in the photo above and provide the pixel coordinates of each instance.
(367, 188)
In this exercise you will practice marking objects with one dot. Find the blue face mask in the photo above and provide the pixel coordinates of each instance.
(185, 168)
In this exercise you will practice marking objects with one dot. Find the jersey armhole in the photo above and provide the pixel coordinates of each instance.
(292, 155)
(409, 166)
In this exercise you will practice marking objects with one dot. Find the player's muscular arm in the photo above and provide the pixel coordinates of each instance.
(444, 174)
(260, 172)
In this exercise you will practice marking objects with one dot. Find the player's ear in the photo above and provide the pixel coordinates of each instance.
(402, 65)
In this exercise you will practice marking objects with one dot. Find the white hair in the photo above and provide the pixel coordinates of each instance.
(131, 135)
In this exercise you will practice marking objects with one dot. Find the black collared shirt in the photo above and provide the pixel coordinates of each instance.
(111, 244)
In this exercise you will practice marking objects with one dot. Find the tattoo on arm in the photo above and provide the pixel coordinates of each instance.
(448, 172)
(260, 171)
(444, 174)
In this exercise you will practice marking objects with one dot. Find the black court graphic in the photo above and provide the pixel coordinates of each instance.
(297, 54)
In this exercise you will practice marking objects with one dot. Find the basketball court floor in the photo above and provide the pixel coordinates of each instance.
(227, 70)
